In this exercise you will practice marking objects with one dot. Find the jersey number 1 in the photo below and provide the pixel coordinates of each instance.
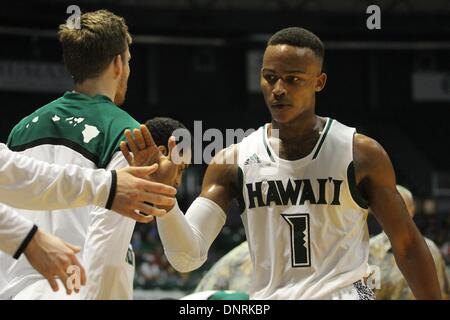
(300, 247)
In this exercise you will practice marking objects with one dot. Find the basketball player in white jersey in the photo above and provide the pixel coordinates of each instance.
(83, 127)
(304, 207)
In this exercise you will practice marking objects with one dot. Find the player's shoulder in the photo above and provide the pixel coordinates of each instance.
(370, 159)
(227, 156)
(111, 119)
(121, 120)
(40, 124)
(111, 116)
(115, 126)
(94, 125)
(367, 149)
(223, 169)
(98, 109)
(71, 108)
(361, 140)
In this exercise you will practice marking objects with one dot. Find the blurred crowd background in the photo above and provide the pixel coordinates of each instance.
(200, 59)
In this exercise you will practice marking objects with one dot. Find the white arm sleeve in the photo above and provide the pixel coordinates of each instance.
(27, 183)
(187, 238)
(109, 268)
(14, 231)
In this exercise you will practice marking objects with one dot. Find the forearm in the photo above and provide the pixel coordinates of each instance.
(416, 263)
(187, 238)
(15, 231)
(31, 184)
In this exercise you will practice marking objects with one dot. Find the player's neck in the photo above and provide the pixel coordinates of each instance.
(297, 130)
(93, 87)
(296, 139)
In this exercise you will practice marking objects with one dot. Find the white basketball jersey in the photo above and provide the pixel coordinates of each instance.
(305, 223)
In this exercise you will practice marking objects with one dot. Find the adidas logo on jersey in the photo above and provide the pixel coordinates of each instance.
(254, 159)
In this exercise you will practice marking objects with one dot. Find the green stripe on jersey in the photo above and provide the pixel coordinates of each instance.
(92, 126)
(322, 139)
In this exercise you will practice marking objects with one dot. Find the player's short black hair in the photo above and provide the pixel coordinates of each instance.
(299, 37)
(162, 128)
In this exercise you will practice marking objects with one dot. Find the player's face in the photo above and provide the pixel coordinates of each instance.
(178, 177)
(290, 77)
(119, 99)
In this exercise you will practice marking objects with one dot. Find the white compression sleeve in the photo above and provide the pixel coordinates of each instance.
(187, 238)
(28, 183)
(14, 229)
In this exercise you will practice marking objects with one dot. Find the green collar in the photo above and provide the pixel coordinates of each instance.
(81, 96)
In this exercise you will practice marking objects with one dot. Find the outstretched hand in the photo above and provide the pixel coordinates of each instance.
(135, 192)
(145, 152)
(52, 257)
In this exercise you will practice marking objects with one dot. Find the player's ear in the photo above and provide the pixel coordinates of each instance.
(117, 65)
(321, 81)
(163, 150)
